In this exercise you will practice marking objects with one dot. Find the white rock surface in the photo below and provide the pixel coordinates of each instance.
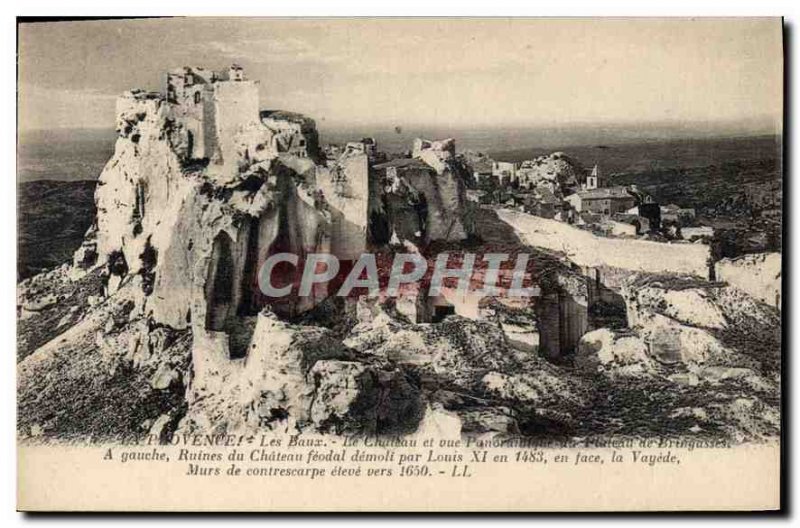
(758, 274)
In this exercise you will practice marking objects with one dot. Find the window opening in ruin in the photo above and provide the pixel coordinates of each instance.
(440, 312)
(189, 144)
(197, 97)
(284, 273)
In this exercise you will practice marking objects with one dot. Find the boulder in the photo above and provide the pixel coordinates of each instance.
(613, 352)
(354, 397)
(165, 377)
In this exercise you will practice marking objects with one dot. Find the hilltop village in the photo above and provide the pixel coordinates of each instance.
(160, 306)
(555, 187)
(560, 188)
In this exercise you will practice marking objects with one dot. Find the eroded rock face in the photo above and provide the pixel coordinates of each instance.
(423, 198)
(357, 397)
(469, 368)
(614, 352)
(200, 191)
(758, 274)
(691, 316)
(300, 378)
(714, 331)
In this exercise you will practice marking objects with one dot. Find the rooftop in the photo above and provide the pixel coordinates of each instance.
(605, 193)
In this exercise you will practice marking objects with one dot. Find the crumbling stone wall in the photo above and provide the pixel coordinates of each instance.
(585, 249)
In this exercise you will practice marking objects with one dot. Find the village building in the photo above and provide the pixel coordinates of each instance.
(605, 201)
(529, 174)
(650, 211)
(482, 171)
(677, 214)
(505, 172)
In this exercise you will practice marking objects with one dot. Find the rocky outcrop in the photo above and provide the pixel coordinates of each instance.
(557, 169)
(357, 397)
(159, 325)
(758, 274)
(702, 324)
(201, 189)
(470, 369)
(108, 376)
(421, 199)
(616, 353)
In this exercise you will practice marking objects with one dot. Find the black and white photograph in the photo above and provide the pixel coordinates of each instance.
(289, 264)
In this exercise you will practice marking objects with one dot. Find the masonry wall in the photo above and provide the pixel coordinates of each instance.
(585, 249)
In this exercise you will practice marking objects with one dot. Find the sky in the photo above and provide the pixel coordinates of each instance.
(438, 72)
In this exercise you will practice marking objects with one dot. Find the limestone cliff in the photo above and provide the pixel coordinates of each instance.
(202, 188)
(758, 274)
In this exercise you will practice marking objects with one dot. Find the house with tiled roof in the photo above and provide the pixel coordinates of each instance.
(605, 200)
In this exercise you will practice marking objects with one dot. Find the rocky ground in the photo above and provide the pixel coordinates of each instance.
(742, 200)
(695, 359)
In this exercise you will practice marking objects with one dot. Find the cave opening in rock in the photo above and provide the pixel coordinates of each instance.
(440, 312)
(251, 298)
(219, 285)
(440, 309)
(225, 310)
(380, 230)
(283, 273)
